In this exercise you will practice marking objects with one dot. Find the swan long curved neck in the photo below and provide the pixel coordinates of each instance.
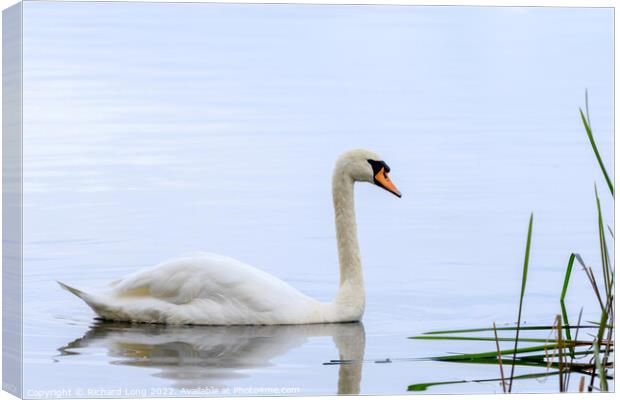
(351, 291)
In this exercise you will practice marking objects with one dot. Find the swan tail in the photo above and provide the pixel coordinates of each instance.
(102, 305)
(73, 290)
(87, 298)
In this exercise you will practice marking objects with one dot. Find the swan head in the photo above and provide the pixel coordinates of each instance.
(366, 166)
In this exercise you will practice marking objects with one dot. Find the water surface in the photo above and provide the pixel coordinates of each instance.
(151, 130)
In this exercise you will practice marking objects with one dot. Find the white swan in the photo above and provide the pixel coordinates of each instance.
(208, 289)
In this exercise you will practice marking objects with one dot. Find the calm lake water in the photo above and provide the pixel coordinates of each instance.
(151, 130)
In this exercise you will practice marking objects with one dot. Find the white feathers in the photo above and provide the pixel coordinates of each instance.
(209, 289)
(205, 289)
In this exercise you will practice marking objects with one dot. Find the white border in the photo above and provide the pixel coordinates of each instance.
(540, 3)
(508, 3)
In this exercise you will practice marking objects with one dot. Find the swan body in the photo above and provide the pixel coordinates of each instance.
(209, 289)
(204, 289)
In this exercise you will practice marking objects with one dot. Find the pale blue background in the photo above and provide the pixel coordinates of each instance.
(155, 129)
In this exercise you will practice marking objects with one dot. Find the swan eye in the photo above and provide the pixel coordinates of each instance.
(377, 166)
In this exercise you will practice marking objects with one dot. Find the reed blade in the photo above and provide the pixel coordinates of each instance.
(567, 275)
(493, 354)
(483, 338)
(523, 282)
(586, 124)
(499, 358)
(600, 368)
(510, 328)
(423, 386)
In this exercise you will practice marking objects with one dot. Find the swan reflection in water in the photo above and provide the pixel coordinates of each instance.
(193, 356)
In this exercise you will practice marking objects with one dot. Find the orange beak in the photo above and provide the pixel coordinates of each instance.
(382, 179)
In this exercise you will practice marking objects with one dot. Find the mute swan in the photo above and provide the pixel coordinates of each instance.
(209, 289)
